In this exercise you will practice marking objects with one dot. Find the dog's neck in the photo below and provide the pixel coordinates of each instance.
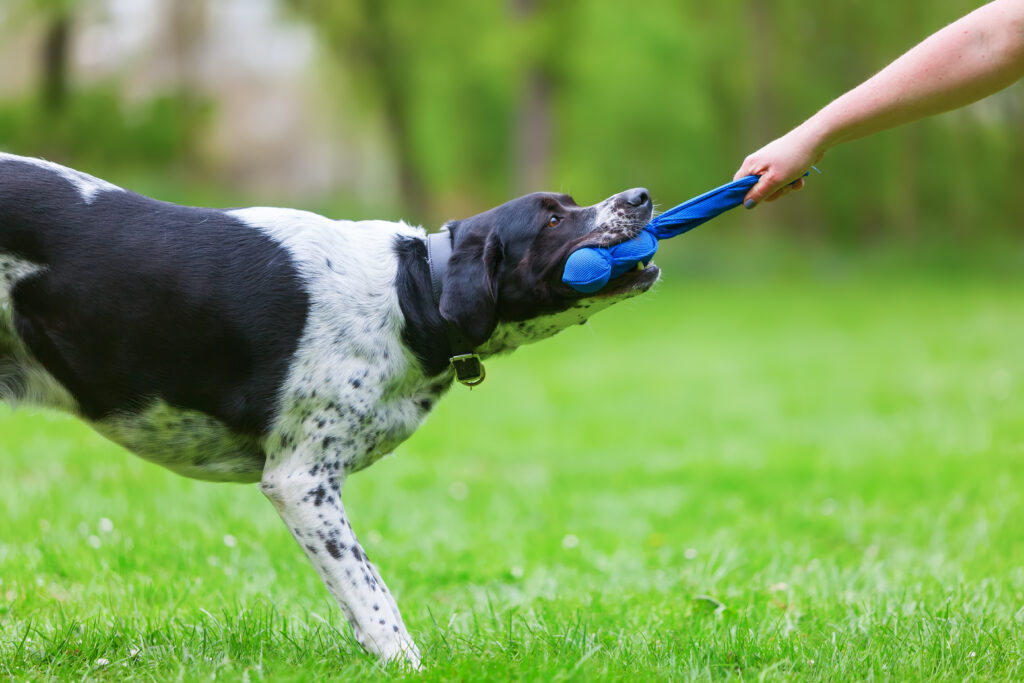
(424, 332)
(464, 361)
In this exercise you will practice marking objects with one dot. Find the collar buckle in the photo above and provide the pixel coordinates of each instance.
(469, 369)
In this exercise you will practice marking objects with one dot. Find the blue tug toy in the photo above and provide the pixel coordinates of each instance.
(589, 269)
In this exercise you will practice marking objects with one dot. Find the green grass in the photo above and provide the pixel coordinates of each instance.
(810, 477)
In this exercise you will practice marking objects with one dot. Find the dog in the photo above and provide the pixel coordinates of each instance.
(275, 345)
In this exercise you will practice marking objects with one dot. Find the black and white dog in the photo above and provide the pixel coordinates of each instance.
(275, 345)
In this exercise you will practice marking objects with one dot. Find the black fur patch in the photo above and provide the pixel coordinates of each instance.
(140, 300)
(424, 331)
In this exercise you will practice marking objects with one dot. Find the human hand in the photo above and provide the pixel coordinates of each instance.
(781, 164)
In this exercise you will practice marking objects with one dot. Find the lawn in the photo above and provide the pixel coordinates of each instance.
(813, 475)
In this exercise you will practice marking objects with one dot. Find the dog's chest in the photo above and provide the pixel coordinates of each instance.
(345, 412)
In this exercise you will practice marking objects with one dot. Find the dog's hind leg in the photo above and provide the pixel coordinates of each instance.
(307, 495)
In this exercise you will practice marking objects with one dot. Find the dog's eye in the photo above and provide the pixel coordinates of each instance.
(554, 221)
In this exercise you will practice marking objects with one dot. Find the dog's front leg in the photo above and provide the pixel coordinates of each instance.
(307, 495)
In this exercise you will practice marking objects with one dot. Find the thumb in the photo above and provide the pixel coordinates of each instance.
(763, 188)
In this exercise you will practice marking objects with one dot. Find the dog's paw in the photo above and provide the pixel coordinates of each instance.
(406, 655)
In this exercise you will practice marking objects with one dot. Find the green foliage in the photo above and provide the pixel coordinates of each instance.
(673, 95)
(97, 125)
(774, 478)
(664, 94)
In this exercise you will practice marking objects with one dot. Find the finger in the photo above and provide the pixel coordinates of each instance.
(797, 184)
(764, 187)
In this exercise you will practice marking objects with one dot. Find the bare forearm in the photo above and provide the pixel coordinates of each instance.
(975, 56)
(969, 59)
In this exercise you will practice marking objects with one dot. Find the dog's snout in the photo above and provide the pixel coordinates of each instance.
(636, 198)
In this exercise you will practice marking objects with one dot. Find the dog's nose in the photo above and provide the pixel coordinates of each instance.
(638, 196)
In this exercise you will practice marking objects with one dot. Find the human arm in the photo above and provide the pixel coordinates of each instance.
(971, 58)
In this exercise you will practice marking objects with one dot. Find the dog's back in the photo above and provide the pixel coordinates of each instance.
(110, 301)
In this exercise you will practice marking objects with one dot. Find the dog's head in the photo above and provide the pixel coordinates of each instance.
(504, 283)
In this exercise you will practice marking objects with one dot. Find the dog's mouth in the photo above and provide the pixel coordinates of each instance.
(636, 281)
(622, 225)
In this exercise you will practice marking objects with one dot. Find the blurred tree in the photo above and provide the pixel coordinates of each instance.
(540, 24)
(56, 47)
(55, 52)
(466, 91)
(533, 130)
(479, 101)
(376, 40)
(54, 67)
(92, 122)
(186, 22)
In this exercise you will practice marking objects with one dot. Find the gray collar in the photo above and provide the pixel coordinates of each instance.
(469, 370)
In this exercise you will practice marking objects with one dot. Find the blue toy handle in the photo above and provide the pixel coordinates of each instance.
(590, 268)
(701, 209)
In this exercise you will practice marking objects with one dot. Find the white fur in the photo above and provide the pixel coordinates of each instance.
(353, 394)
(188, 442)
(350, 398)
(508, 337)
(615, 223)
(352, 335)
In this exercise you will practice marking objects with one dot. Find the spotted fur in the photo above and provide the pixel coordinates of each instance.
(273, 345)
(617, 220)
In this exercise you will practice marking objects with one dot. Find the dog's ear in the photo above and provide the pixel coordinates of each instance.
(470, 290)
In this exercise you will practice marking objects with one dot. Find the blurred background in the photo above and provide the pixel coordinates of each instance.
(815, 419)
(431, 111)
